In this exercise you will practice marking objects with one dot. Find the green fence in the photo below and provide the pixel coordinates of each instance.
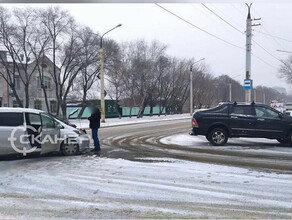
(135, 111)
(110, 110)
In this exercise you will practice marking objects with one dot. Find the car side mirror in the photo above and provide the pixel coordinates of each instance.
(59, 126)
(281, 116)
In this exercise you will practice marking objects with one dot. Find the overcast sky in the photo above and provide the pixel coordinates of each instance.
(148, 21)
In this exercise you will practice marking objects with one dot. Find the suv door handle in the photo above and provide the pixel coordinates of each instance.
(260, 119)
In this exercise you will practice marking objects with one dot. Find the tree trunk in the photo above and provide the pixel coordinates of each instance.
(117, 109)
(63, 109)
(83, 105)
(16, 97)
(130, 114)
(46, 99)
(26, 96)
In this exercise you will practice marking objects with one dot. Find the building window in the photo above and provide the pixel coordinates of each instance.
(53, 106)
(38, 104)
(46, 82)
(17, 82)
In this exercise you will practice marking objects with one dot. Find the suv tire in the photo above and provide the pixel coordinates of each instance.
(218, 136)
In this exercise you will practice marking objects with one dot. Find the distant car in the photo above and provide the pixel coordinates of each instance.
(24, 130)
(229, 120)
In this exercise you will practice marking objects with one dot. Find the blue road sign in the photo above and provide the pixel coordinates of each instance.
(247, 84)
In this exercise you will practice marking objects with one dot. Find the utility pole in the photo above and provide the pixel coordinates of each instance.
(191, 90)
(230, 92)
(248, 80)
(264, 97)
(101, 53)
(254, 95)
(191, 86)
(102, 101)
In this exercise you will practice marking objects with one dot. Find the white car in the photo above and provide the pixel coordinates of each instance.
(78, 139)
(25, 131)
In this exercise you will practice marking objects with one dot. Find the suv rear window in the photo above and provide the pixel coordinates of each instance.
(243, 110)
(11, 119)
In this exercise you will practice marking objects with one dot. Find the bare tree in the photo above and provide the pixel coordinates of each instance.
(115, 73)
(18, 36)
(58, 24)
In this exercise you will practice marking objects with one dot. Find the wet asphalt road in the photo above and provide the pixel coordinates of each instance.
(138, 141)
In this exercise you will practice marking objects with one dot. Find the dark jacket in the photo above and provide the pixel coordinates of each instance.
(94, 120)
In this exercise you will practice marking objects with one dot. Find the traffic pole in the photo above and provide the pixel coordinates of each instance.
(191, 90)
(230, 92)
(248, 32)
(248, 53)
(102, 101)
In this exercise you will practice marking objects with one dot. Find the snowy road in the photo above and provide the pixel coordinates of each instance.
(171, 139)
(161, 175)
(85, 187)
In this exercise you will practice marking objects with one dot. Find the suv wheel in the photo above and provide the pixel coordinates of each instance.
(218, 137)
(69, 149)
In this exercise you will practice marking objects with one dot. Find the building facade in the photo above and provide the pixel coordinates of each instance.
(36, 92)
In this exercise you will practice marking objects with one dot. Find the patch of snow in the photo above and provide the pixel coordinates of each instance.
(83, 187)
(246, 144)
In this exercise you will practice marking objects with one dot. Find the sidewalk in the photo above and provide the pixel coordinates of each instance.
(84, 123)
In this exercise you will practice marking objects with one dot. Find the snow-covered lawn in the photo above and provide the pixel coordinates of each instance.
(84, 123)
(90, 187)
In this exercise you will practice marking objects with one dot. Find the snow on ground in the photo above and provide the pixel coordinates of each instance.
(84, 123)
(246, 144)
(90, 187)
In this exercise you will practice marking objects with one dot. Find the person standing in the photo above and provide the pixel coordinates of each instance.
(94, 124)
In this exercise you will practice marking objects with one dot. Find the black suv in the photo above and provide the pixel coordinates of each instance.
(242, 120)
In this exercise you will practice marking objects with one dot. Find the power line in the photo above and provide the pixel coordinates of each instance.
(263, 48)
(195, 26)
(274, 36)
(263, 26)
(235, 28)
(267, 51)
(263, 61)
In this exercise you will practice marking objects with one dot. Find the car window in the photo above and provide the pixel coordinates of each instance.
(34, 119)
(221, 109)
(243, 110)
(48, 122)
(11, 119)
(262, 111)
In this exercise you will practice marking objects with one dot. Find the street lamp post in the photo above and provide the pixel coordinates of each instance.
(230, 87)
(191, 85)
(101, 53)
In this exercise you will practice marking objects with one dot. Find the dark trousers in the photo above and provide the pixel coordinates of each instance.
(95, 139)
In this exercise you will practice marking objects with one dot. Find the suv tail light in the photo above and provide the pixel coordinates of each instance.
(195, 123)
